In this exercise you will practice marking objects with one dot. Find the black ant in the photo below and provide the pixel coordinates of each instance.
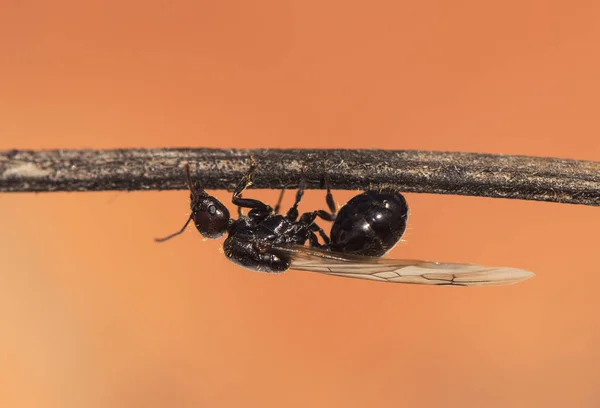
(364, 230)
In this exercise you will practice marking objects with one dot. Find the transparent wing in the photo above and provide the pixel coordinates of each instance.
(399, 270)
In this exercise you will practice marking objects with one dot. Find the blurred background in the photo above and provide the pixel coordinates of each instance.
(94, 313)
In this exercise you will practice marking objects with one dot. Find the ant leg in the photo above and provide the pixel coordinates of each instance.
(328, 216)
(309, 220)
(258, 207)
(292, 213)
(310, 217)
(280, 199)
(314, 241)
(329, 198)
(278, 205)
(314, 227)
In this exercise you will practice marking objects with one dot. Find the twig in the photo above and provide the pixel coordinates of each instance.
(485, 175)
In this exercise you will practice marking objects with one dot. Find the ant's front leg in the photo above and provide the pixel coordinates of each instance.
(258, 208)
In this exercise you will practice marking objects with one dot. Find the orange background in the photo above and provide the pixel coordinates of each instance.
(94, 313)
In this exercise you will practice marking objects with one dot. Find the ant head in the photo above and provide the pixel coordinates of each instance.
(210, 216)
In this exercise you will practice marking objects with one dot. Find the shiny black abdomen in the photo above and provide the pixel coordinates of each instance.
(370, 224)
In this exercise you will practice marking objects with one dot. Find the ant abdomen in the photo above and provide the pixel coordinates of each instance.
(371, 223)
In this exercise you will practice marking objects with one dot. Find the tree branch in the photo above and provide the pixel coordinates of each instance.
(485, 175)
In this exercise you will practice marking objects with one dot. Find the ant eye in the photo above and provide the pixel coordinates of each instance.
(212, 210)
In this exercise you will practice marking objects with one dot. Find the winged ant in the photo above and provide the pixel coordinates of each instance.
(363, 230)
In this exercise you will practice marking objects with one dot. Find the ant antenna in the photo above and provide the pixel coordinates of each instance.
(176, 233)
(191, 187)
(188, 177)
